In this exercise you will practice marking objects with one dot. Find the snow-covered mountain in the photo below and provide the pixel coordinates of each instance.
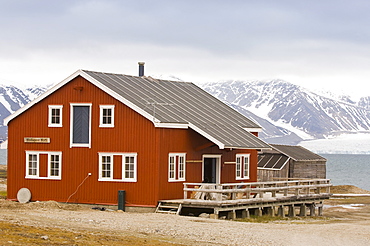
(289, 113)
(12, 98)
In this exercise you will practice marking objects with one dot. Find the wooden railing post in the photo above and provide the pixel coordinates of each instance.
(219, 195)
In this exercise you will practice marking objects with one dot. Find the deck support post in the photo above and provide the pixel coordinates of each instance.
(271, 211)
(319, 209)
(281, 211)
(213, 216)
(258, 212)
(312, 209)
(231, 215)
(291, 212)
(303, 210)
(245, 213)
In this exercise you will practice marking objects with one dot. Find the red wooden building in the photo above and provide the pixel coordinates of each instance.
(94, 134)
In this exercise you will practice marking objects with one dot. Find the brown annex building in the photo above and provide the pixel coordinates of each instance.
(290, 162)
(94, 134)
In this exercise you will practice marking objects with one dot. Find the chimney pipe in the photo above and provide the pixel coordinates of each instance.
(141, 69)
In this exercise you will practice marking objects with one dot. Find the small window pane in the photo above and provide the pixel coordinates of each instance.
(129, 167)
(238, 167)
(32, 164)
(55, 116)
(106, 166)
(54, 165)
(246, 166)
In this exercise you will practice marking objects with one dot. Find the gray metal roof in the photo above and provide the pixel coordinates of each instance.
(184, 103)
(298, 153)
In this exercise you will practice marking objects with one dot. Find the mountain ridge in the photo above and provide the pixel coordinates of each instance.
(294, 108)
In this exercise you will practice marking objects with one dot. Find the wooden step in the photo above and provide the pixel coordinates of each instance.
(167, 211)
(171, 207)
(168, 208)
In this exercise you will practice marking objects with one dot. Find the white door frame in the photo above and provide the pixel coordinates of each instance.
(218, 166)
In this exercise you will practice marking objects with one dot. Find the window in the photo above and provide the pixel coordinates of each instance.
(242, 166)
(176, 167)
(119, 167)
(43, 165)
(55, 116)
(32, 169)
(106, 116)
(129, 167)
(54, 169)
(80, 125)
(106, 166)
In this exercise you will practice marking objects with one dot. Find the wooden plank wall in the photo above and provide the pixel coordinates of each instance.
(132, 133)
(308, 169)
(265, 175)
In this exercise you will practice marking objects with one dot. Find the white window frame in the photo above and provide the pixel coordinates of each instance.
(49, 176)
(71, 125)
(101, 123)
(176, 171)
(110, 177)
(50, 116)
(242, 167)
(123, 155)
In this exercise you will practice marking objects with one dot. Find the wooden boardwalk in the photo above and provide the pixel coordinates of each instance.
(274, 198)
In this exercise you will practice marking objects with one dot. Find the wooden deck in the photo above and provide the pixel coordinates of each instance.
(273, 198)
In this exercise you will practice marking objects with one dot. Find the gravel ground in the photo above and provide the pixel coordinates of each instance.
(345, 222)
(194, 230)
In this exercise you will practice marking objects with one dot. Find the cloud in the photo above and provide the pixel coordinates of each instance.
(190, 39)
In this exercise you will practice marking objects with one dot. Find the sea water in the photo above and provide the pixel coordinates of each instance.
(347, 169)
(3, 156)
(342, 169)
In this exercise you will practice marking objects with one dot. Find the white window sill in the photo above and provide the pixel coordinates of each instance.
(245, 178)
(55, 125)
(117, 180)
(106, 126)
(44, 178)
(176, 180)
(80, 145)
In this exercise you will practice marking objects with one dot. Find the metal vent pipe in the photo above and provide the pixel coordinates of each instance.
(141, 68)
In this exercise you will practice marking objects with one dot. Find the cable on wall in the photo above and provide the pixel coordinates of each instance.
(78, 187)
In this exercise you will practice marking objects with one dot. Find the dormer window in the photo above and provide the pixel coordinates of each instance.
(106, 116)
(55, 116)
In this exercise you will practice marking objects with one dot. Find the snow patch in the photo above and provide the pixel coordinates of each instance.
(358, 143)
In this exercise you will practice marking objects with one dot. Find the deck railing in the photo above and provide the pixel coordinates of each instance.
(235, 191)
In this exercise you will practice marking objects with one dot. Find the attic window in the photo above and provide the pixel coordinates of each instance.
(55, 116)
(106, 116)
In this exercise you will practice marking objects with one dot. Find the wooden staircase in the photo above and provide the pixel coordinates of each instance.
(168, 208)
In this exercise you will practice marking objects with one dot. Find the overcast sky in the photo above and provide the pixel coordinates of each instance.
(318, 44)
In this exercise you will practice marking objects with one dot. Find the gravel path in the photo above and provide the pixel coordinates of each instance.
(189, 230)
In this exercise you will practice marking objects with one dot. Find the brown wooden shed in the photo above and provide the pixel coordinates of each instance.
(94, 134)
(290, 162)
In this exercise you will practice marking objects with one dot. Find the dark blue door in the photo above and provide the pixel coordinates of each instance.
(81, 124)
